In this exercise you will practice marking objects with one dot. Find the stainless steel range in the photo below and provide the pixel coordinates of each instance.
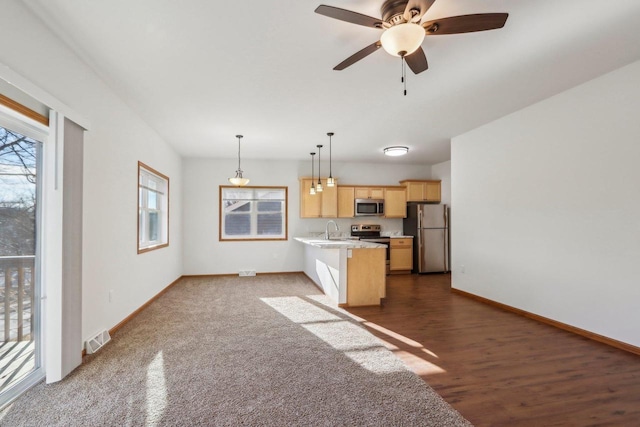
(371, 233)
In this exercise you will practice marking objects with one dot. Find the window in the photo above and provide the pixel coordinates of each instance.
(253, 213)
(153, 209)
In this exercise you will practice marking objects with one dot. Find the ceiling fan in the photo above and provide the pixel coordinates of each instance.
(403, 33)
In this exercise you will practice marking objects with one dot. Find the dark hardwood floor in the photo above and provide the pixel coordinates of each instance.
(501, 369)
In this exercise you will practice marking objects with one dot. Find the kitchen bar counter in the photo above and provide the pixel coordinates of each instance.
(336, 244)
(350, 272)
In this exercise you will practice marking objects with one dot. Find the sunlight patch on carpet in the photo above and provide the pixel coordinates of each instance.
(156, 391)
(343, 335)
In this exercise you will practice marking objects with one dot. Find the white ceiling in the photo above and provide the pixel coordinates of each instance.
(201, 71)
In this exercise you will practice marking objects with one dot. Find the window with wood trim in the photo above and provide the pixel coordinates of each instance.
(253, 213)
(153, 209)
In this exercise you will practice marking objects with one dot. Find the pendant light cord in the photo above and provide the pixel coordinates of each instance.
(330, 176)
(239, 154)
(239, 171)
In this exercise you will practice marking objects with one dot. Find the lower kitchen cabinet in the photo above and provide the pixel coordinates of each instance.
(401, 255)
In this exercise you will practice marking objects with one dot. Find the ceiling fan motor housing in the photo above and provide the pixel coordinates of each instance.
(393, 11)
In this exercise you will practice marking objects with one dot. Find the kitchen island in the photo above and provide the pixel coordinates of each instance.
(350, 272)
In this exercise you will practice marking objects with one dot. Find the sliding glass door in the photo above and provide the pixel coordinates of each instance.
(20, 360)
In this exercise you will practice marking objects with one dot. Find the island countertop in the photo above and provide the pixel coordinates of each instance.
(350, 272)
(339, 244)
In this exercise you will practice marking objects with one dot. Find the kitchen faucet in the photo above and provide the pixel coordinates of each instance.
(326, 229)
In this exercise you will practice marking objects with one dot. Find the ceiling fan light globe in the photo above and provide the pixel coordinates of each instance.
(402, 39)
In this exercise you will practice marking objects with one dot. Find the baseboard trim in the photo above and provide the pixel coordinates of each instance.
(142, 307)
(204, 276)
(578, 331)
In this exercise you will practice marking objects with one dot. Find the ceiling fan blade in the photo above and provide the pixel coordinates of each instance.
(417, 61)
(420, 5)
(465, 23)
(358, 56)
(349, 16)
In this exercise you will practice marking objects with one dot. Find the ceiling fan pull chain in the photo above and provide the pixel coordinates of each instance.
(404, 75)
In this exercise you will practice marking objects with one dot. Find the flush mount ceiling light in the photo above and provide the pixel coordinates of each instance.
(238, 180)
(396, 150)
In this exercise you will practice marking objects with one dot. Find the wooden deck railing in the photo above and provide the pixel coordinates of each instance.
(17, 276)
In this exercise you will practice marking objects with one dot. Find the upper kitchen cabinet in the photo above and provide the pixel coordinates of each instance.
(346, 199)
(369, 193)
(395, 202)
(320, 205)
(422, 190)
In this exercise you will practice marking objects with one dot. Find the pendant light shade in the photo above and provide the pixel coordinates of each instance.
(330, 181)
(312, 190)
(238, 180)
(319, 186)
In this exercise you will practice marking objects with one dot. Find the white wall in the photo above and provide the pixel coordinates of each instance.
(204, 254)
(442, 171)
(547, 207)
(116, 141)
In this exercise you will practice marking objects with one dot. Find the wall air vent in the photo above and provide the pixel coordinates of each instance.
(96, 342)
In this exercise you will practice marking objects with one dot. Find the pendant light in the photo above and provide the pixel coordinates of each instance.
(238, 180)
(330, 181)
(319, 186)
(312, 190)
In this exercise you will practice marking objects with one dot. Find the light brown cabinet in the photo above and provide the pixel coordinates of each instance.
(346, 199)
(422, 190)
(395, 202)
(319, 205)
(401, 255)
(366, 277)
(369, 192)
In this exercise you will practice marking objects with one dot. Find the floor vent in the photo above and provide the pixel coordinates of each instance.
(96, 342)
(247, 273)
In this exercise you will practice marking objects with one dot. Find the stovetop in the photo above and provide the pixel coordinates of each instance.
(366, 231)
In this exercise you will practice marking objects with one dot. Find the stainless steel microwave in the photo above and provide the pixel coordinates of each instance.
(370, 207)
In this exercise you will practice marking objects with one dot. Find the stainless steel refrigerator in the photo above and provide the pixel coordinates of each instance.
(429, 226)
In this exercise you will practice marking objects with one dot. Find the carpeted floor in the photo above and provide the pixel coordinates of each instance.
(238, 351)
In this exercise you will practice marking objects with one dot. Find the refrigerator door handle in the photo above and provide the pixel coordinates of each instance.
(420, 251)
(445, 215)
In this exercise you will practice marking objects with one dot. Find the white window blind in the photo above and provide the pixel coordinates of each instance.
(253, 213)
(153, 209)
